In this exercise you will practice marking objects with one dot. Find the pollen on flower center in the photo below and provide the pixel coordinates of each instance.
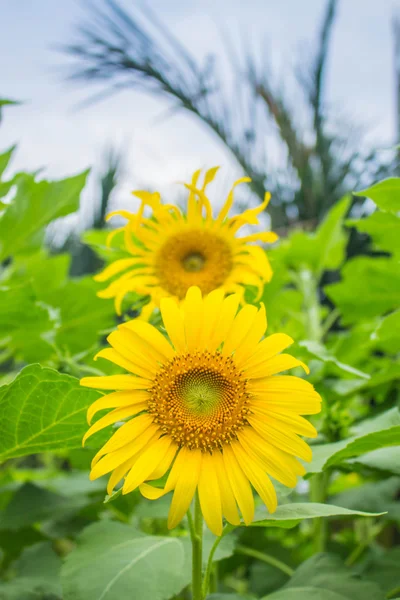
(200, 399)
(193, 257)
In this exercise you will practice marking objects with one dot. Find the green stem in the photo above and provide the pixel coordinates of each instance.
(197, 551)
(318, 493)
(270, 560)
(393, 593)
(207, 574)
(308, 285)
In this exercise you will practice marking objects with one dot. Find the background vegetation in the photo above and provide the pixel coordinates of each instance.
(336, 290)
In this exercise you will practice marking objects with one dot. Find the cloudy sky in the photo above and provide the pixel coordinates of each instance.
(51, 132)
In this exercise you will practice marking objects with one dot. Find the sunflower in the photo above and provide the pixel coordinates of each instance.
(172, 251)
(207, 407)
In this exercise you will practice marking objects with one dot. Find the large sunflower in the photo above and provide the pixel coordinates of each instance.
(207, 406)
(172, 251)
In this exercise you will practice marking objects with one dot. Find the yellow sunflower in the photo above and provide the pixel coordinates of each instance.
(207, 406)
(172, 251)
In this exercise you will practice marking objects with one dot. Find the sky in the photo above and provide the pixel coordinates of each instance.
(52, 132)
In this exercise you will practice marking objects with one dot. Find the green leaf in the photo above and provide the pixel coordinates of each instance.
(371, 434)
(31, 504)
(322, 353)
(323, 577)
(387, 334)
(370, 287)
(383, 229)
(34, 206)
(372, 496)
(42, 410)
(385, 193)
(228, 597)
(384, 570)
(383, 459)
(111, 561)
(332, 238)
(324, 249)
(37, 576)
(298, 511)
(26, 325)
(82, 314)
(5, 159)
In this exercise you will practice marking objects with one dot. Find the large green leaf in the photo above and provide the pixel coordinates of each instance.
(37, 576)
(324, 249)
(299, 511)
(387, 334)
(370, 287)
(383, 229)
(323, 577)
(322, 353)
(371, 434)
(31, 504)
(26, 325)
(112, 561)
(82, 314)
(42, 410)
(34, 206)
(384, 571)
(372, 496)
(383, 459)
(385, 193)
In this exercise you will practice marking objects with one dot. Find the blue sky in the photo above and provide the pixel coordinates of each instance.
(51, 132)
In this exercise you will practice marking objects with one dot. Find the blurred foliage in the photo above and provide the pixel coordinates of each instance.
(325, 155)
(60, 539)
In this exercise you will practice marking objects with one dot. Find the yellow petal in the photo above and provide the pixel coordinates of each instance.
(253, 336)
(209, 494)
(113, 417)
(186, 484)
(118, 474)
(285, 440)
(239, 329)
(116, 382)
(124, 342)
(125, 434)
(268, 237)
(193, 317)
(165, 464)
(272, 345)
(291, 420)
(212, 310)
(117, 400)
(260, 481)
(239, 484)
(228, 502)
(148, 460)
(173, 323)
(272, 460)
(117, 358)
(116, 267)
(277, 364)
(159, 344)
(229, 201)
(224, 323)
(113, 460)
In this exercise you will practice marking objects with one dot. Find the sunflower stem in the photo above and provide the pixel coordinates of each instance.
(209, 567)
(197, 551)
(318, 493)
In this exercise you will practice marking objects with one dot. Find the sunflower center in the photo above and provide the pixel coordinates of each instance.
(193, 262)
(200, 399)
(193, 257)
